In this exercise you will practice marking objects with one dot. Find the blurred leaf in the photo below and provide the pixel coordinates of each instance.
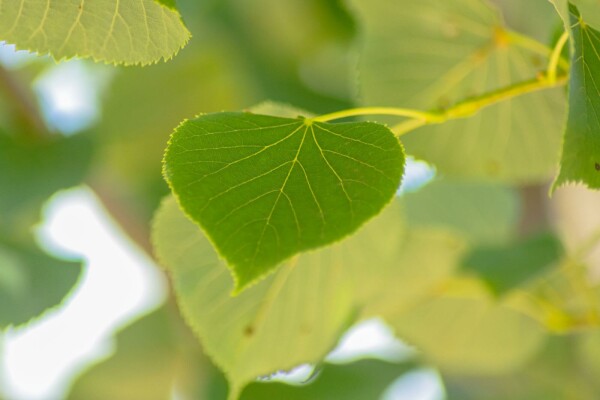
(209, 75)
(297, 315)
(581, 157)
(506, 267)
(153, 359)
(517, 14)
(307, 183)
(588, 8)
(31, 281)
(556, 374)
(450, 51)
(282, 57)
(361, 380)
(483, 213)
(470, 335)
(32, 171)
(288, 319)
(140, 32)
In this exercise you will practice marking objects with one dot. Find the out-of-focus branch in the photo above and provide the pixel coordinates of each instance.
(535, 215)
(24, 103)
(123, 215)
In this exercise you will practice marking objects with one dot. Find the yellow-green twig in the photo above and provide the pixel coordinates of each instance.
(394, 111)
(555, 57)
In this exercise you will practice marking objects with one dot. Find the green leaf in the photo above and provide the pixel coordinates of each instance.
(266, 188)
(557, 373)
(31, 281)
(144, 366)
(32, 171)
(112, 31)
(361, 380)
(470, 335)
(432, 54)
(581, 149)
(503, 268)
(452, 205)
(290, 318)
(222, 84)
(297, 315)
(154, 357)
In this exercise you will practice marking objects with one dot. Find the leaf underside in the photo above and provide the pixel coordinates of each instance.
(112, 31)
(266, 188)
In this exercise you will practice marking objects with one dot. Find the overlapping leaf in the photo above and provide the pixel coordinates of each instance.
(153, 358)
(265, 188)
(581, 148)
(434, 53)
(113, 31)
(470, 335)
(505, 267)
(297, 315)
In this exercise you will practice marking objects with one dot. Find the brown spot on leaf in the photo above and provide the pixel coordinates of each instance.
(249, 331)
(597, 166)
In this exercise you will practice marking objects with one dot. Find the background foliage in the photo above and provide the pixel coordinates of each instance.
(493, 283)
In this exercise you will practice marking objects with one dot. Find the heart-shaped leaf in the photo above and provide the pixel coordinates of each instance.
(265, 188)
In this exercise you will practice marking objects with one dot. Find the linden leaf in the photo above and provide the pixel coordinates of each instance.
(265, 188)
(581, 148)
(296, 315)
(113, 31)
(432, 54)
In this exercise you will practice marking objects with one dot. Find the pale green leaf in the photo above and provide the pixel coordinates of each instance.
(297, 315)
(145, 365)
(435, 53)
(265, 188)
(470, 335)
(482, 213)
(31, 281)
(290, 318)
(581, 148)
(112, 31)
(153, 357)
(557, 373)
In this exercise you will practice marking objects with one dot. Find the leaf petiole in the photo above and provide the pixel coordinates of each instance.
(393, 111)
(555, 57)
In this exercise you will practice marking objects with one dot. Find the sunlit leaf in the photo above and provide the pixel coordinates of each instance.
(470, 335)
(297, 315)
(433, 54)
(113, 31)
(265, 188)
